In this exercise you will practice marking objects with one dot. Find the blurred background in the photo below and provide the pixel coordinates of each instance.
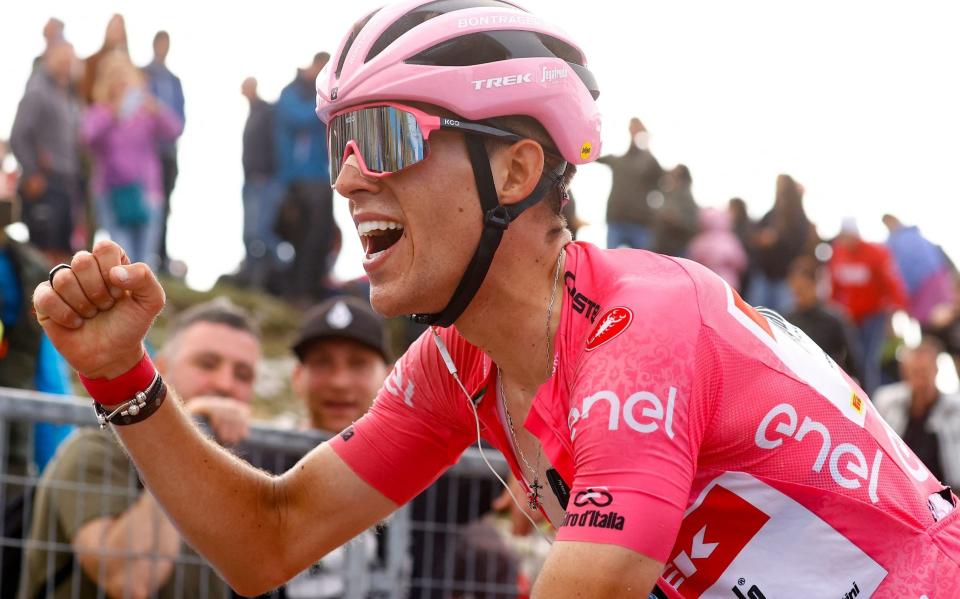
(853, 99)
(804, 151)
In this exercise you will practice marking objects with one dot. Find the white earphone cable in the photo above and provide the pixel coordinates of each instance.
(451, 367)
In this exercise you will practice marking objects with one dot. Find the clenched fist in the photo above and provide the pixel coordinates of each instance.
(98, 311)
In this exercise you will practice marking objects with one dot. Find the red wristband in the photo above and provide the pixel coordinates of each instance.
(110, 392)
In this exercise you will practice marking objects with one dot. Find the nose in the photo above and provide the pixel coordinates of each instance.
(340, 377)
(224, 380)
(351, 180)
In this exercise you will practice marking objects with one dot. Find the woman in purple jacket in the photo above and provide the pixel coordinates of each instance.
(122, 129)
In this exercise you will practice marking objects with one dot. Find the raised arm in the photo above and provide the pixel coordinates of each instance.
(257, 530)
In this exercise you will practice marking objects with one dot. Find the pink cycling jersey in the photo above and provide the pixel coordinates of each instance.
(693, 429)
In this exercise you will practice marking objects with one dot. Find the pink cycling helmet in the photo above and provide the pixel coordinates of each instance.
(480, 59)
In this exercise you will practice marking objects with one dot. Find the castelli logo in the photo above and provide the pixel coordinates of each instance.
(612, 323)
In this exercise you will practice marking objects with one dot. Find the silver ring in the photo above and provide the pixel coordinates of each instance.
(55, 270)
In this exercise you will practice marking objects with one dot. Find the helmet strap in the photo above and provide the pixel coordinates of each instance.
(496, 219)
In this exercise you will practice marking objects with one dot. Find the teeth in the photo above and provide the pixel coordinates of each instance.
(366, 227)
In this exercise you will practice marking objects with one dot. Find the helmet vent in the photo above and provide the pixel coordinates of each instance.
(493, 46)
(424, 13)
(353, 37)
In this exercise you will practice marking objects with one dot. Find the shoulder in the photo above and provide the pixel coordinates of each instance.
(421, 378)
(648, 319)
(618, 270)
(661, 292)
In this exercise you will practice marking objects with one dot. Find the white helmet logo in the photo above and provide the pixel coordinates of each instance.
(339, 317)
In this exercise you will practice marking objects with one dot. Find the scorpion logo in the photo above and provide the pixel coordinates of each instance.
(612, 324)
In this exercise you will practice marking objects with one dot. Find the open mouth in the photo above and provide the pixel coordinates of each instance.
(379, 235)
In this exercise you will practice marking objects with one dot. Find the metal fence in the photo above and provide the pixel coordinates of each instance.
(438, 547)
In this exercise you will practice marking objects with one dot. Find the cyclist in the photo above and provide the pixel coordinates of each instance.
(666, 428)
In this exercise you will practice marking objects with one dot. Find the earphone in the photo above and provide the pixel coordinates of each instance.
(452, 369)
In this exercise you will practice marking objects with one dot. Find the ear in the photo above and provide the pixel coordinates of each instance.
(517, 170)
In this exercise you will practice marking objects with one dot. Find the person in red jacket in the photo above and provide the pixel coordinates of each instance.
(866, 282)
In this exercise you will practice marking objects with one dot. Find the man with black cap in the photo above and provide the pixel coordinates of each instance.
(341, 363)
(342, 355)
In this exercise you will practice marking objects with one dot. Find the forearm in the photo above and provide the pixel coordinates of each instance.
(256, 529)
(141, 548)
(223, 507)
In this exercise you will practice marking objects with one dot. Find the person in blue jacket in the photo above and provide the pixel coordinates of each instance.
(306, 216)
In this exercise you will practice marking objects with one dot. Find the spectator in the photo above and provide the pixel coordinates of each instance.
(122, 129)
(676, 223)
(783, 234)
(52, 36)
(926, 272)
(167, 89)
(114, 40)
(261, 190)
(927, 420)
(867, 285)
(718, 248)
(307, 214)
(743, 228)
(123, 545)
(636, 175)
(27, 361)
(342, 362)
(829, 328)
(44, 141)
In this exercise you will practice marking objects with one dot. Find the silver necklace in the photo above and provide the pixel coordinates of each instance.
(533, 495)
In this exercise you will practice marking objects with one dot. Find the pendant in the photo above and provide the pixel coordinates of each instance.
(533, 497)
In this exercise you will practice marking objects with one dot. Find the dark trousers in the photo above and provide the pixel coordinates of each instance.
(306, 222)
(49, 217)
(170, 168)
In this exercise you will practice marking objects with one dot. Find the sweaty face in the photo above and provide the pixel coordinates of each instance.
(212, 359)
(337, 381)
(418, 227)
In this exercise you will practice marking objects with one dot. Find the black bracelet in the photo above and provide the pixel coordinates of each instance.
(134, 410)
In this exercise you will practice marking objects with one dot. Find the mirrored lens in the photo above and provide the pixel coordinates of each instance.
(388, 138)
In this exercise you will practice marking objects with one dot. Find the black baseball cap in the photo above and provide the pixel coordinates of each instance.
(342, 317)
